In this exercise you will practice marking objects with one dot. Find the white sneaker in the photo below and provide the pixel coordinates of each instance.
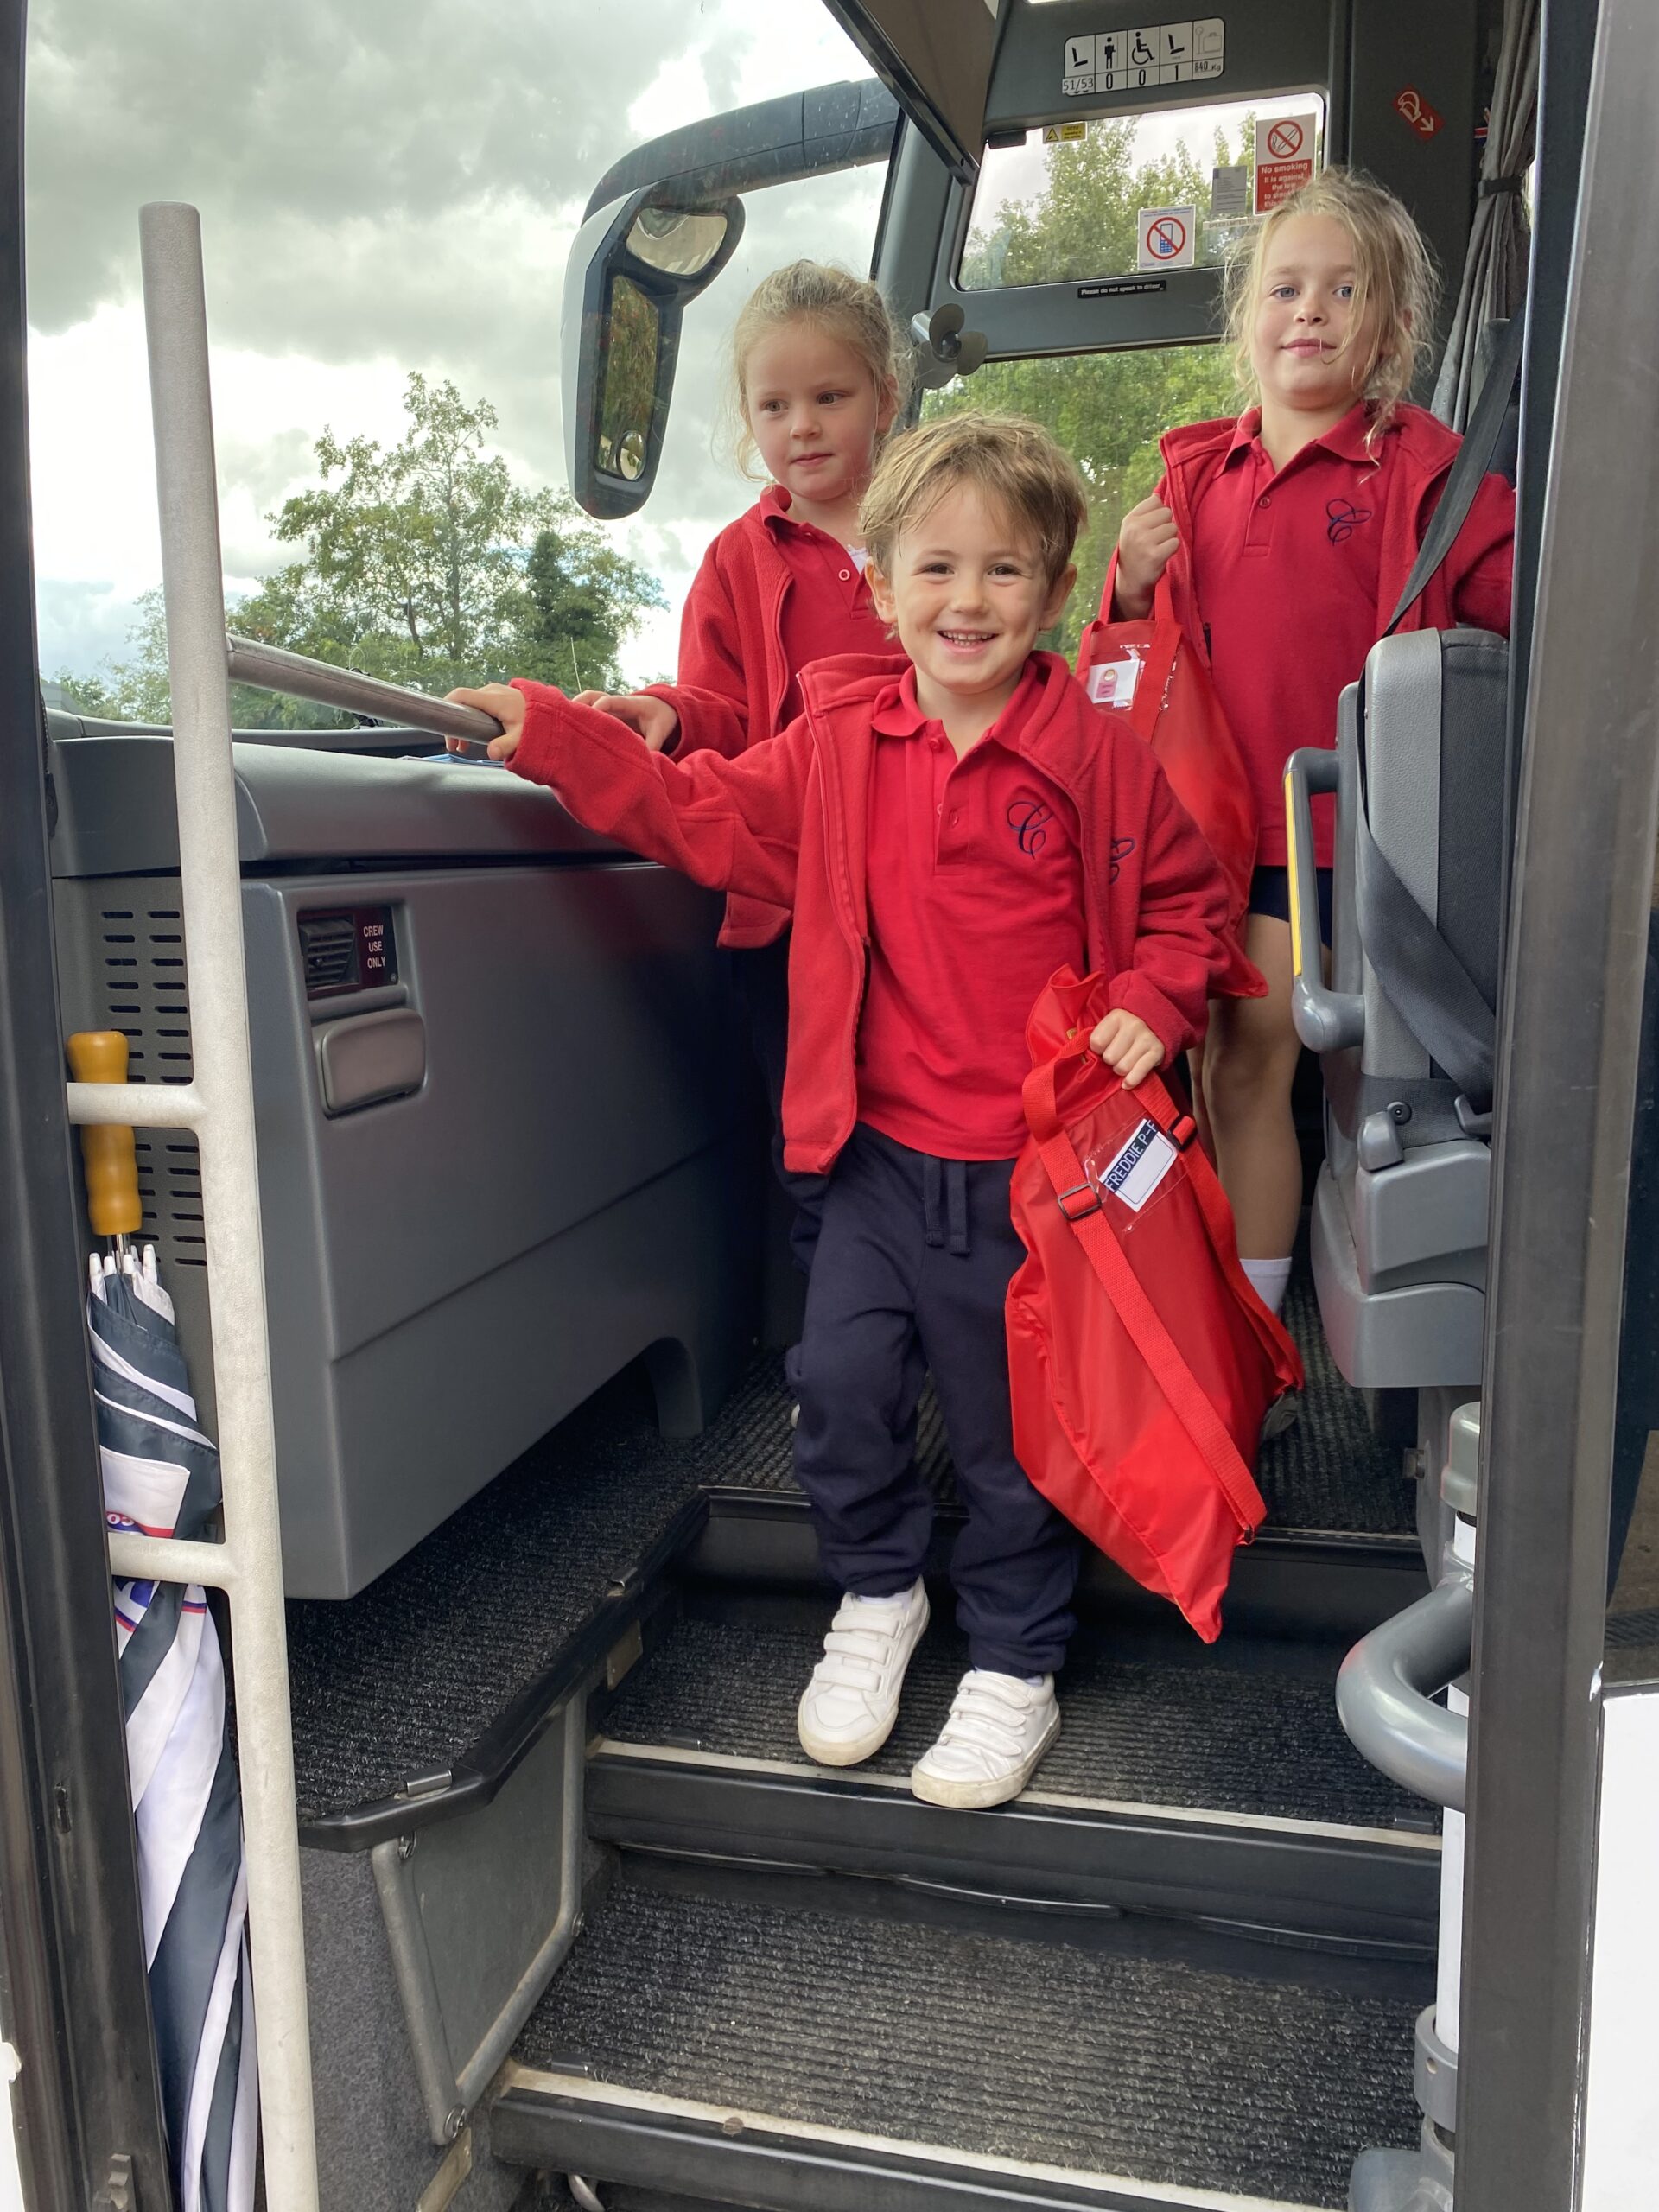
(999, 1729)
(848, 1707)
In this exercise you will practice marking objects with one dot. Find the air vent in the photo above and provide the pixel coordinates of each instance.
(348, 949)
(144, 998)
(329, 947)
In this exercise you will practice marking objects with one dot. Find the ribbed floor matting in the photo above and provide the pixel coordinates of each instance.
(1256, 1737)
(1108, 2063)
(402, 1678)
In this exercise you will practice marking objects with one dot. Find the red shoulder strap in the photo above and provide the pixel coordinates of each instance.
(1134, 1308)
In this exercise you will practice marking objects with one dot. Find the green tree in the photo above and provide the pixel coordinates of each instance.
(1107, 410)
(424, 563)
(582, 599)
(133, 690)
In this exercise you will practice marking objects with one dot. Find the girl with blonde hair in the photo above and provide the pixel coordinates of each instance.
(1289, 535)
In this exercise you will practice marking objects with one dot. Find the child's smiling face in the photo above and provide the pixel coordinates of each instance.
(1311, 352)
(970, 596)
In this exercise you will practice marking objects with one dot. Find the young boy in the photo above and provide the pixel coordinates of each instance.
(948, 829)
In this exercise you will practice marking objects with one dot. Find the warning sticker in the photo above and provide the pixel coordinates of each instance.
(1143, 55)
(1284, 157)
(1166, 238)
(1424, 120)
(1114, 682)
(1060, 134)
(1134, 1174)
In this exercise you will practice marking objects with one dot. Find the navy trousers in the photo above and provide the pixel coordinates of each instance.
(913, 1260)
(760, 977)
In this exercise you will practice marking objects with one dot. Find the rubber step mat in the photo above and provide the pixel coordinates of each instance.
(1106, 2062)
(1250, 1728)
(402, 1678)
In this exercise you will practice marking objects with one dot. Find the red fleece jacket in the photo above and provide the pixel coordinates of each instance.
(732, 672)
(787, 821)
(1424, 454)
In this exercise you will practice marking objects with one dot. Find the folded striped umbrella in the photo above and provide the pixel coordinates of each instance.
(161, 1478)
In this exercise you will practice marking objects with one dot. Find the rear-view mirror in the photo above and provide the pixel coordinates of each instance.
(634, 266)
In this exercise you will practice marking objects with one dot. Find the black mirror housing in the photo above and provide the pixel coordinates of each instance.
(635, 264)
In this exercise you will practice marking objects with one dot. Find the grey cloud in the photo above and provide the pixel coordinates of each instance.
(391, 181)
(319, 124)
(265, 467)
(81, 624)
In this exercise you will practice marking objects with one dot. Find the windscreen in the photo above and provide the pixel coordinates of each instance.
(1107, 198)
(387, 203)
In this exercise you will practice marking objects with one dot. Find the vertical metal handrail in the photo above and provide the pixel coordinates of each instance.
(217, 1105)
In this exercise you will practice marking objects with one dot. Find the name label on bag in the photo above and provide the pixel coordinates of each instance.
(1112, 682)
(1134, 1172)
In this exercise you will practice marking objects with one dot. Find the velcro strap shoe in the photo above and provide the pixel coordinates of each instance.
(989, 1748)
(849, 1706)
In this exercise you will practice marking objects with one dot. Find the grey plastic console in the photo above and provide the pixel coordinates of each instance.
(502, 1146)
(1400, 1215)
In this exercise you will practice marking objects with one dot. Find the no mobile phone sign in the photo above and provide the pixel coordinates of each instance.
(1284, 157)
(1166, 238)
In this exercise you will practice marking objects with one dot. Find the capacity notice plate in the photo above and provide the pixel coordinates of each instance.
(1143, 56)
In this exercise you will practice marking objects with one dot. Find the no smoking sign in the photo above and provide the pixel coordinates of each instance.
(1284, 157)
(1166, 238)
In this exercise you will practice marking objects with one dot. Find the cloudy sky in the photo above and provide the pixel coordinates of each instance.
(385, 185)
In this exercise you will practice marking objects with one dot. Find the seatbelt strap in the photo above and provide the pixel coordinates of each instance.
(1425, 983)
(1474, 454)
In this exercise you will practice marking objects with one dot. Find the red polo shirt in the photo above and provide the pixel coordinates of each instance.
(975, 885)
(827, 607)
(1284, 569)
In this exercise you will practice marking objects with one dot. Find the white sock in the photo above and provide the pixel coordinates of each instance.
(1268, 1279)
(898, 1597)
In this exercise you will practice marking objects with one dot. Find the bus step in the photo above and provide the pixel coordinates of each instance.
(772, 2043)
(1213, 1784)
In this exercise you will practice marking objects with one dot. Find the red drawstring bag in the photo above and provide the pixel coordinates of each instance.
(1148, 673)
(1141, 1360)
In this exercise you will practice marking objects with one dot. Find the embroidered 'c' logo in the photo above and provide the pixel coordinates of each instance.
(1029, 818)
(1345, 520)
(1122, 848)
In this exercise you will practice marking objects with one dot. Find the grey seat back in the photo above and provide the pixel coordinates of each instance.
(1400, 1217)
